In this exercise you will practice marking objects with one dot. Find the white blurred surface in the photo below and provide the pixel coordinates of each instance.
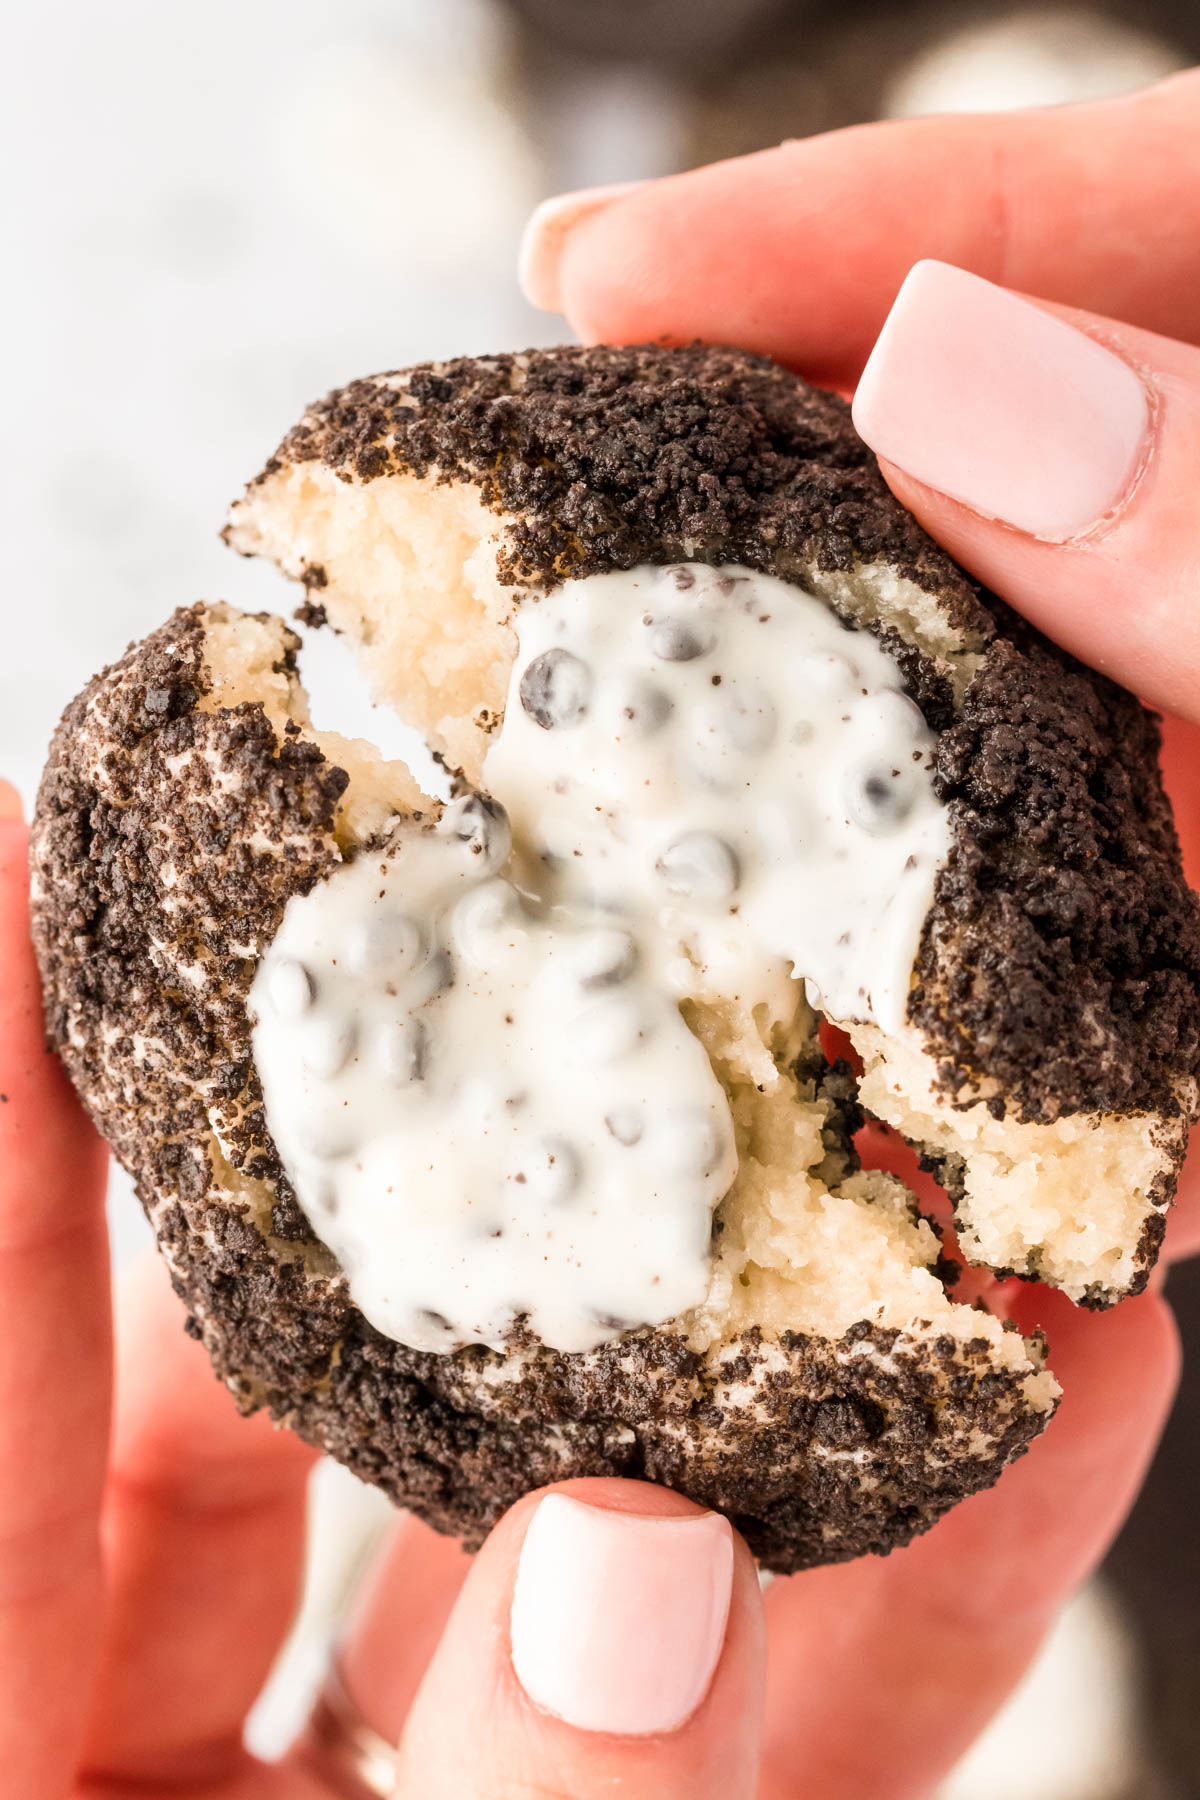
(213, 214)
(216, 213)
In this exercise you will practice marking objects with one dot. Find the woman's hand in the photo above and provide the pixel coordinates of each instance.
(147, 1573)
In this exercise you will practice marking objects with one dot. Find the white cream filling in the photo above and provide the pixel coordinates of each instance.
(711, 751)
(484, 1115)
(482, 1087)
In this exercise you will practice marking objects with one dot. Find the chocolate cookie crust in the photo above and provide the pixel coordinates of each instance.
(604, 457)
(1060, 966)
(236, 820)
(1061, 958)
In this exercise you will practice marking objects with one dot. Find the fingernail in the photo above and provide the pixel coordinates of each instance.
(10, 801)
(1000, 405)
(539, 259)
(618, 1621)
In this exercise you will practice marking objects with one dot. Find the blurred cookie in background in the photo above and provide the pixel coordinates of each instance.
(749, 73)
(862, 62)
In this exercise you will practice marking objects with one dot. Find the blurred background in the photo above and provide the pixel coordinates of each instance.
(216, 213)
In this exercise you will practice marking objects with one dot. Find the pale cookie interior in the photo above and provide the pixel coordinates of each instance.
(408, 572)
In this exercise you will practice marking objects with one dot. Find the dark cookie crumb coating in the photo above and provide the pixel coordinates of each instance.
(605, 458)
(1060, 967)
(162, 824)
(840, 1450)
(167, 842)
(1061, 958)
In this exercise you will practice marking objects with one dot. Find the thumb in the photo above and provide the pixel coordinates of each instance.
(608, 1637)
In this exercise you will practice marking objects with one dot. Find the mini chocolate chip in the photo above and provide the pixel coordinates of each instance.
(646, 709)
(404, 1050)
(487, 920)
(291, 987)
(700, 866)
(390, 943)
(556, 689)
(678, 640)
(606, 958)
(878, 799)
(625, 1124)
(328, 1045)
(481, 823)
(435, 978)
(553, 1171)
(611, 1322)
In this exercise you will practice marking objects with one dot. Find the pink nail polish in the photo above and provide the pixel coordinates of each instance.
(540, 256)
(998, 404)
(618, 1621)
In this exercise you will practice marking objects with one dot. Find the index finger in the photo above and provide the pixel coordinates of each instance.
(54, 1370)
(797, 252)
(204, 1544)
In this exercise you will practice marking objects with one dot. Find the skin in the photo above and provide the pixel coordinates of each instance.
(150, 1549)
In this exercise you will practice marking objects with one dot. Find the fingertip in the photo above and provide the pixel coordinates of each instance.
(50, 1146)
(608, 1632)
(546, 236)
(10, 802)
(618, 1617)
(871, 408)
(615, 1493)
